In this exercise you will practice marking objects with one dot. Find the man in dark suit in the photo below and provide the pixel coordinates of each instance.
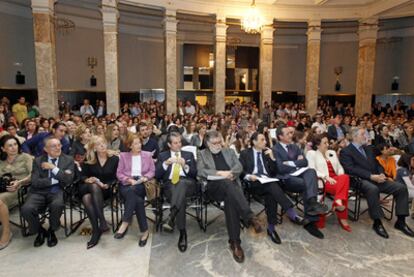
(35, 145)
(150, 144)
(178, 170)
(259, 161)
(358, 160)
(336, 131)
(223, 164)
(289, 159)
(51, 173)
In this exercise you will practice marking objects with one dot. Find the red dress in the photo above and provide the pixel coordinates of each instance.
(339, 190)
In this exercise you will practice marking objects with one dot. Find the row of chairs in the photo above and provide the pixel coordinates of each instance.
(197, 206)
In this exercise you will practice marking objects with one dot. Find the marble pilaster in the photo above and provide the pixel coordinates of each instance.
(220, 65)
(312, 66)
(110, 16)
(170, 50)
(45, 55)
(368, 33)
(266, 61)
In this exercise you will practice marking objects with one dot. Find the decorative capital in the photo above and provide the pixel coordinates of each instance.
(266, 34)
(170, 21)
(368, 29)
(43, 6)
(314, 29)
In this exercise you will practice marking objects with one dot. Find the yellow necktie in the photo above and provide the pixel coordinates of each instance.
(176, 171)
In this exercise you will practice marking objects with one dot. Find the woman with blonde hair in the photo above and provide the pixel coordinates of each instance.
(97, 176)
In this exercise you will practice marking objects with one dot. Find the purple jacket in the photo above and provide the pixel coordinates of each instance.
(125, 162)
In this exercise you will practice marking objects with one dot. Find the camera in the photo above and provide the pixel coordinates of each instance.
(5, 181)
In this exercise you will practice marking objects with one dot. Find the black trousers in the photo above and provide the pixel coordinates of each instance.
(134, 197)
(37, 203)
(372, 192)
(272, 194)
(177, 194)
(307, 184)
(236, 206)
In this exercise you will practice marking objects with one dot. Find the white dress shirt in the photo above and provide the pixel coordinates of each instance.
(186, 167)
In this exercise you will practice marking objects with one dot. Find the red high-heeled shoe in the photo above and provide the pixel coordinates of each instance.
(337, 207)
(345, 227)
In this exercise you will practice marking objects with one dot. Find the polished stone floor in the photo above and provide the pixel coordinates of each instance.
(360, 253)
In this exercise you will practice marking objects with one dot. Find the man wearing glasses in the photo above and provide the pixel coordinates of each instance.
(35, 145)
(51, 173)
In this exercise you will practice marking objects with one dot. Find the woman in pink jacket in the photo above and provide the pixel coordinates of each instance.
(135, 168)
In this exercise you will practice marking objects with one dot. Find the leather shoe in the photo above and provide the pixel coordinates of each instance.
(51, 239)
(298, 220)
(403, 227)
(313, 230)
(254, 221)
(94, 240)
(238, 254)
(120, 235)
(182, 241)
(40, 239)
(317, 209)
(274, 236)
(380, 230)
(142, 242)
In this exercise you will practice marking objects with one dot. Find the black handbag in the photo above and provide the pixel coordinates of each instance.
(5, 181)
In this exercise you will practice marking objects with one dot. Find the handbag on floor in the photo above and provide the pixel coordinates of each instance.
(152, 189)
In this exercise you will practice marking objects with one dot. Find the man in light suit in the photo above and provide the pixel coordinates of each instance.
(289, 158)
(51, 173)
(223, 163)
(259, 161)
(178, 170)
(358, 160)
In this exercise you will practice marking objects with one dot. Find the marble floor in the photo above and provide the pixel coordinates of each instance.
(360, 253)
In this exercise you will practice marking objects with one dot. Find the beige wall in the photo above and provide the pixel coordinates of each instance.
(16, 46)
(335, 54)
(141, 60)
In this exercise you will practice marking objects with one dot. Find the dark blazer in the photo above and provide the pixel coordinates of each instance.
(40, 177)
(354, 163)
(281, 156)
(247, 160)
(164, 175)
(333, 134)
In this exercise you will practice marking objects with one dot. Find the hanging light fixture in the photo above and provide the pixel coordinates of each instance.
(252, 22)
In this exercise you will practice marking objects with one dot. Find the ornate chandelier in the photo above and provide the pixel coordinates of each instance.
(252, 22)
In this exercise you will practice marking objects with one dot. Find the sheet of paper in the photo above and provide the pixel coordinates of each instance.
(299, 171)
(272, 133)
(215, 178)
(264, 179)
(408, 182)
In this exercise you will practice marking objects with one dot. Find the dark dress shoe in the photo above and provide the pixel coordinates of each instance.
(51, 239)
(317, 209)
(298, 220)
(380, 230)
(274, 236)
(142, 242)
(254, 221)
(94, 240)
(182, 241)
(120, 235)
(313, 230)
(403, 227)
(40, 239)
(238, 254)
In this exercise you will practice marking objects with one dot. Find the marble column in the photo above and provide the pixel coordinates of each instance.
(110, 16)
(266, 64)
(312, 66)
(368, 33)
(196, 78)
(220, 65)
(170, 46)
(45, 55)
